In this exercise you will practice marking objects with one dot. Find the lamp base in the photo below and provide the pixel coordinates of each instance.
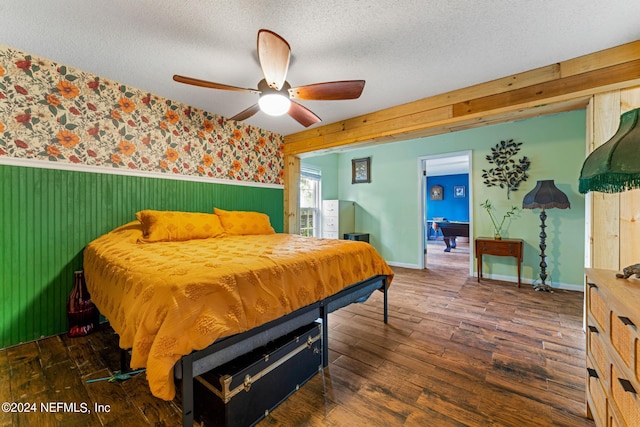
(541, 286)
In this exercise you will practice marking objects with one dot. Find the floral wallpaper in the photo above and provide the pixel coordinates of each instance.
(54, 112)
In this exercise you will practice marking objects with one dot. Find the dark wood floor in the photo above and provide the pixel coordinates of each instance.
(454, 353)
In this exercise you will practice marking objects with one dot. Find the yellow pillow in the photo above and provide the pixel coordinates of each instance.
(172, 226)
(244, 223)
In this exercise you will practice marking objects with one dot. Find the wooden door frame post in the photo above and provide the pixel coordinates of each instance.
(292, 194)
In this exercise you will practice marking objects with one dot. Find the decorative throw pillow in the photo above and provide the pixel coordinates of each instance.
(174, 226)
(244, 222)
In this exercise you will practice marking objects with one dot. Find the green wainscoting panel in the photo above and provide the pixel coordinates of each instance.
(47, 216)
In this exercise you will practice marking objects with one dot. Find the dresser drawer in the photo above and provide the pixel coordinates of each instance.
(636, 351)
(598, 353)
(598, 398)
(613, 421)
(330, 223)
(621, 337)
(598, 308)
(499, 248)
(626, 401)
(330, 234)
(330, 207)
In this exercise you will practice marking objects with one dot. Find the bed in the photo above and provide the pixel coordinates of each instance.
(192, 296)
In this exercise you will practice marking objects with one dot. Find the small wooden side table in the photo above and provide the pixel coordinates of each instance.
(499, 247)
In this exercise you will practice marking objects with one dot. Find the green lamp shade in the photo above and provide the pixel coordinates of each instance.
(615, 165)
(545, 195)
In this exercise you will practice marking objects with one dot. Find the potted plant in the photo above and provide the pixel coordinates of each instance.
(497, 227)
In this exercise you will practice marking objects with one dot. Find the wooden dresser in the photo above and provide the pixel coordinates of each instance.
(613, 349)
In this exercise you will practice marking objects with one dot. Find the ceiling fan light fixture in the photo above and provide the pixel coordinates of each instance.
(277, 97)
(274, 104)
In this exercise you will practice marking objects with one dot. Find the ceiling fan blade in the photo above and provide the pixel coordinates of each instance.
(212, 85)
(303, 115)
(245, 114)
(329, 91)
(274, 54)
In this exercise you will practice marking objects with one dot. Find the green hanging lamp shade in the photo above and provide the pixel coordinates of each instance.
(614, 166)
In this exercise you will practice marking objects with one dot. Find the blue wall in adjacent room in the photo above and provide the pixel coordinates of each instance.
(450, 207)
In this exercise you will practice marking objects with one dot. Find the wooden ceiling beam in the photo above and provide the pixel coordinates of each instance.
(546, 90)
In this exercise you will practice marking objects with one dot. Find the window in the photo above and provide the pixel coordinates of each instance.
(310, 202)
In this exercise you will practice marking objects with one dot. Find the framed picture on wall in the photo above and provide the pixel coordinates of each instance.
(361, 170)
(436, 192)
(459, 191)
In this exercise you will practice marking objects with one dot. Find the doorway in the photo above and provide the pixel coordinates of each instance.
(446, 194)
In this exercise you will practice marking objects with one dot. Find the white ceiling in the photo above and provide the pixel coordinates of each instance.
(447, 165)
(405, 50)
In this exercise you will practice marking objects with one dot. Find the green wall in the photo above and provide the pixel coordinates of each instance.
(47, 217)
(328, 165)
(388, 207)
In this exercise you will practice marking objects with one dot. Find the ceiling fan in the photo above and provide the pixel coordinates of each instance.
(276, 94)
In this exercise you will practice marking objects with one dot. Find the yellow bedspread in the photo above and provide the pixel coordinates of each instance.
(167, 299)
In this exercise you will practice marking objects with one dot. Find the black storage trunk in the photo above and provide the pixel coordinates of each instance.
(243, 391)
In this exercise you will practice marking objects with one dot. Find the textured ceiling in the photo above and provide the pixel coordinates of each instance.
(405, 50)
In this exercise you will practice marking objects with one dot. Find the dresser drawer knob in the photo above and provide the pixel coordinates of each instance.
(626, 321)
(627, 386)
(592, 285)
(592, 373)
(593, 329)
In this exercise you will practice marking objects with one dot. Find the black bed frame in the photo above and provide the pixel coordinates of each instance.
(227, 349)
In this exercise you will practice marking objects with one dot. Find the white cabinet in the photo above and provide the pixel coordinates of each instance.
(338, 218)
